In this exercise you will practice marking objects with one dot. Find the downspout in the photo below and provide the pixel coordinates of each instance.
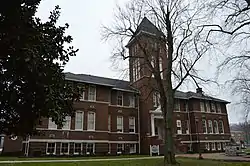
(189, 125)
(139, 127)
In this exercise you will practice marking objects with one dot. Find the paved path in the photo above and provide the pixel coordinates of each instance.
(80, 160)
(217, 156)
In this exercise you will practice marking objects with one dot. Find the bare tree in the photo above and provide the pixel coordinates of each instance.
(230, 24)
(179, 43)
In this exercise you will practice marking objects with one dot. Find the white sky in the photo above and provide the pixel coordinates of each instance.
(85, 19)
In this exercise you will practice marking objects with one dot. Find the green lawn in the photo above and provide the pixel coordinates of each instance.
(147, 162)
(68, 158)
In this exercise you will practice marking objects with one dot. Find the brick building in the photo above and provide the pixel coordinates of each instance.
(124, 117)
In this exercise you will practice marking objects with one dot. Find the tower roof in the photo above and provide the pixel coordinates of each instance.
(146, 26)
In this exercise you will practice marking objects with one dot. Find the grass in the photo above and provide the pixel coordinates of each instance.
(145, 162)
(68, 158)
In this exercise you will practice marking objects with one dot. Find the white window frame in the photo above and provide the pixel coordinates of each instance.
(187, 127)
(92, 94)
(178, 124)
(93, 149)
(161, 67)
(109, 123)
(204, 120)
(82, 97)
(222, 127)
(89, 120)
(51, 125)
(117, 147)
(177, 106)
(133, 150)
(132, 126)
(202, 106)
(67, 153)
(77, 153)
(76, 121)
(216, 127)
(119, 94)
(67, 123)
(207, 145)
(208, 106)
(132, 101)
(213, 146)
(120, 126)
(218, 146)
(218, 107)
(156, 99)
(48, 146)
(213, 107)
(210, 127)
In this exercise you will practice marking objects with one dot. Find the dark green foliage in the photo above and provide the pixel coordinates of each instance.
(33, 54)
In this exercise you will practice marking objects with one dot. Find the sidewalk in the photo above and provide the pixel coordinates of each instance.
(82, 160)
(216, 156)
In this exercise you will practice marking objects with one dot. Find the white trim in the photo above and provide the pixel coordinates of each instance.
(121, 124)
(79, 141)
(78, 111)
(98, 102)
(119, 106)
(94, 87)
(124, 90)
(67, 153)
(76, 153)
(133, 119)
(213, 146)
(205, 141)
(100, 131)
(47, 148)
(94, 114)
(92, 148)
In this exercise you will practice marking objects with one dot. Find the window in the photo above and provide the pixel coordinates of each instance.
(67, 123)
(91, 121)
(185, 106)
(178, 124)
(77, 148)
(136, 69)
(160, 67)
(216, 128)
(119, 124)
(152, 64)
(213, 146)
(132, 101)
(218, 108)
(79, 120)
(221, 127)
(223, 144)
(202, 104)
(64, 148)
(132, 148)
(156, 99)
(92, 93)
(51, 124)
(109, 123)
(119, 148)
(51, 148)
(207, 146)
(177, 105)
(210, 126)
(218, 146)
(131, 124)
(82, 96)
(204, 126)
(213, 109)
(90, 148)
(208, 106)
(187, 126)
(119, 98)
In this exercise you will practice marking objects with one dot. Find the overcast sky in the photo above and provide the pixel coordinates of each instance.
(85, 19)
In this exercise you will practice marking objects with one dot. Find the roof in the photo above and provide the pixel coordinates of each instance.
(148, 27)
(125, 86)
(114, 83)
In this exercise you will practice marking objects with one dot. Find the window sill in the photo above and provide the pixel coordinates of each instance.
(90, 129)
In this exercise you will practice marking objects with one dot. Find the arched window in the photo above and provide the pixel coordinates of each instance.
(221, 127)
(210, 126)
(204, 126)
